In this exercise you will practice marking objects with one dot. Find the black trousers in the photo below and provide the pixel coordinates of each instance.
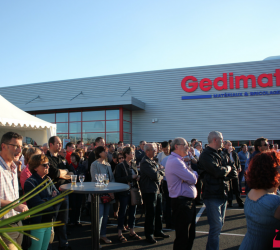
(153, 214)
(198, 186)
(184, 214)
(167, 210)
(234, 189)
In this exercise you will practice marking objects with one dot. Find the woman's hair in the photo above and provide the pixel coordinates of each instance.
(262, 173)
(78, 150)
(98, 151)
(77, 157)
(35, 161)
(127, 151)
(24, 151)
(29, 153)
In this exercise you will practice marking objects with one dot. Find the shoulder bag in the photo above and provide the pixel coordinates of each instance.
(105, 198)
(135, 193)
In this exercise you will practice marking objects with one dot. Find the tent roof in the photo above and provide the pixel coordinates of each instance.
(12, 116)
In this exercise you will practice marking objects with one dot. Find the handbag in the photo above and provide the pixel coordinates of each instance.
(105, 198)
(135, 193)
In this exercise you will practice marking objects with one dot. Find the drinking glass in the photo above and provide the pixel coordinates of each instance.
(73, 179)
(101, 178)
(97, 180)
(81, 178)
(106, 181)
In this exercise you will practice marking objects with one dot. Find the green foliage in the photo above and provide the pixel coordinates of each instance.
(5, 224)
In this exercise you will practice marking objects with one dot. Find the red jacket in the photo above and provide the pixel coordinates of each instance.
(68, 157)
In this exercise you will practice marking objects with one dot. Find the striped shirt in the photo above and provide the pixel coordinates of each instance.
(8, 185)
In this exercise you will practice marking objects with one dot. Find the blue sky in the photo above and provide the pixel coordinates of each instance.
(55, 40)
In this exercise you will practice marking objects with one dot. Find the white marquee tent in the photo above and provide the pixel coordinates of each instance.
(16, 120)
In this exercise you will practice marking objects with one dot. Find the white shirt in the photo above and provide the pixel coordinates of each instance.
(161, 156)
(197, 153)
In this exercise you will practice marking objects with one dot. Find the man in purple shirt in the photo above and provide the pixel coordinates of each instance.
(181, 180)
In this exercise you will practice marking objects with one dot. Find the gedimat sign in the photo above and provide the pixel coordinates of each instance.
(190, 83)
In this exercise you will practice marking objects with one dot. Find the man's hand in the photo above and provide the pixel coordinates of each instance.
(161, 167)
(138, 178)
(66, 177)
(54, 193)
(187, 159)
(21, 208)
(134, 176)
(112, 195)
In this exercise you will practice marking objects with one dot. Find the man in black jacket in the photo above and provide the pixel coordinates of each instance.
(234, 185)
(60, 171)
(215, 189)
(150, 179)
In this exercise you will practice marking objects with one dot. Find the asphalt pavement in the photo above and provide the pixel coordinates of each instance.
(231, 237)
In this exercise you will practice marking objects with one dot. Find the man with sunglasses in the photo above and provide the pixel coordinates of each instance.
(10, 150)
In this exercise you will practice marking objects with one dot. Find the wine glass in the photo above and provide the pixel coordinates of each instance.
(106, 181)
(101, 178)
(97, 180)
(81, 178)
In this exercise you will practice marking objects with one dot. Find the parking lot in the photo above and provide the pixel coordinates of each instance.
(231, 237)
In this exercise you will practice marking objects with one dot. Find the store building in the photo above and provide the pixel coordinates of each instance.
(241, 100)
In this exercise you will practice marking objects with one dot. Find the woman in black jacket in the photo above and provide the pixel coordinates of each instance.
(126, 172)
(39, 167)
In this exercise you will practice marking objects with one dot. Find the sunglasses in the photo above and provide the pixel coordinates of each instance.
(46, 165)
(266, 144)
(120, 158)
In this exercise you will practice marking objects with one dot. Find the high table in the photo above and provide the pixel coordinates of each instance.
(90, 188)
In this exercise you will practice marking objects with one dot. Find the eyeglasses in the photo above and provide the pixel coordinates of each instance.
(120, 158)
(46, 165)
(266, 144)
(16, 146)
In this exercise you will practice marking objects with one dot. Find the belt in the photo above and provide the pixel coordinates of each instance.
(184, 198)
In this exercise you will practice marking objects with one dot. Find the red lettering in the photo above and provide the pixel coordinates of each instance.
(205, 84)
(277, 75)
(193, 84)
(224, 80)
(231, 86)
(245, 81)
(269, 83)
(190, 83)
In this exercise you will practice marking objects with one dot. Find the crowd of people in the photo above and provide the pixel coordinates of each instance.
(173, 176)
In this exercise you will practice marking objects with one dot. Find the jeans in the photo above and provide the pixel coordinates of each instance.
(63, 217)
(240, 177)
(44, 236)
(216, 211)
(153, 215)
(184, 214)
(124, 201)
(104, 209)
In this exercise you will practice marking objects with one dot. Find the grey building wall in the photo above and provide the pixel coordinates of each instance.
(238, 118)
